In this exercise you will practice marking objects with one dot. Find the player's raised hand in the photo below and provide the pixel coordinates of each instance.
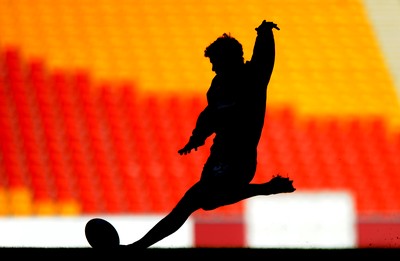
(267, 25)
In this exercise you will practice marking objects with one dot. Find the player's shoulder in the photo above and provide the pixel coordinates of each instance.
(248, 65)
(249, 68)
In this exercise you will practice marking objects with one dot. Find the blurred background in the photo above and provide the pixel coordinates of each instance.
(96, 98)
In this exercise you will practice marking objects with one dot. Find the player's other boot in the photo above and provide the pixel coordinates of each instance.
(279, 184)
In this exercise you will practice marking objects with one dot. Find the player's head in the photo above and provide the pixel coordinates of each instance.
(225, 53)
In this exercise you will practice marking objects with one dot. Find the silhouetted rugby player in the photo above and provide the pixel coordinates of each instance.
(235, 112)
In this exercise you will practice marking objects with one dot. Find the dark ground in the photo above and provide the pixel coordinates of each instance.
(191, 254)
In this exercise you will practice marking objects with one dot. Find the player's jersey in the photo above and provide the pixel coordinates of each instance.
(236, 106)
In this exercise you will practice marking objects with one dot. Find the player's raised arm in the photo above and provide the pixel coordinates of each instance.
(263, 57)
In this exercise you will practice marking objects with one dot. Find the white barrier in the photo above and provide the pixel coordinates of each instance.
(70, 231)
(323, 219)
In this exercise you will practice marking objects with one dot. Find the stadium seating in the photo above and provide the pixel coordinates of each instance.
(74, 143)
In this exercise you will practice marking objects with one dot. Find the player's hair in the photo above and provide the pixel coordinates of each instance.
(226, 47)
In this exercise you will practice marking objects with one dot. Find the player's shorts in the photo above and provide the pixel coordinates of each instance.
(220, 180)
(233, 172)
